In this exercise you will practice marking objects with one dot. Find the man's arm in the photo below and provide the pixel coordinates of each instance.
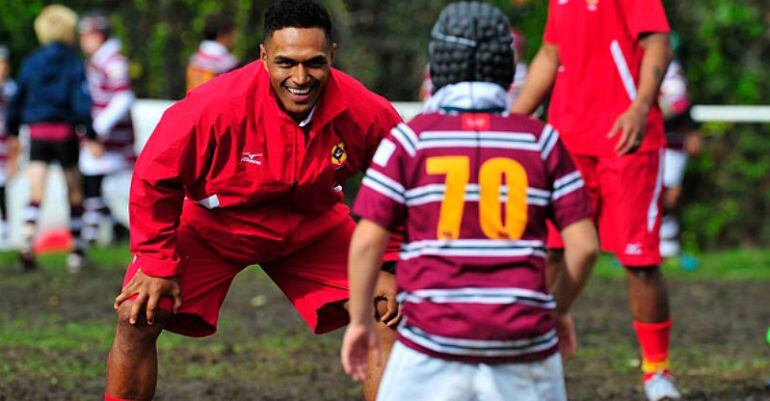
(540, 79)
(631, 124)
(366, 248)
(176, 156)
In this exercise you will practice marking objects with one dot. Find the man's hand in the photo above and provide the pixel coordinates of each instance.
(148, 290)
(631, 125)
(565, 329)
(359, 339)
(386, 291)
(95, 148)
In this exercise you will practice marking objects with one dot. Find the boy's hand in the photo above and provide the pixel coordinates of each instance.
(359, 339)
(565, 329)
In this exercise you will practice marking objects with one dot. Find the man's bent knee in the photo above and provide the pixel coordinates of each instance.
(141, 331)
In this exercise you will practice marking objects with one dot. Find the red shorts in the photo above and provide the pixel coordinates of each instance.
(314, 278)
(626, 195)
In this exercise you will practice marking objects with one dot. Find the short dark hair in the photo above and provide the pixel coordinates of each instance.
(217, 24)
(297, 14)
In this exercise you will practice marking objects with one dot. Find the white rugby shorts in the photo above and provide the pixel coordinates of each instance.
(412, 375)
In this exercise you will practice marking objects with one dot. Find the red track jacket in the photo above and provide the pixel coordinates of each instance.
(229, 162)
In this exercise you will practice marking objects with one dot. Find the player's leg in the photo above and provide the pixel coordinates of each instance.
(3, 217)
(37, 171)
(632, 218)
(315, 280)
(204, 281)
(68, 152)
(675, 162)
(93, 203)
(132, 363)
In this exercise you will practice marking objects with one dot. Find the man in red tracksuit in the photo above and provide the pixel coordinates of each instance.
(248, 169)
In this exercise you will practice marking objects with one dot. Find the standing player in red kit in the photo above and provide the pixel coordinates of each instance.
(248, 169)
(474, 186)
(607, 58)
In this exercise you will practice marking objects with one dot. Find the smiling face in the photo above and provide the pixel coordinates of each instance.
(299, 62)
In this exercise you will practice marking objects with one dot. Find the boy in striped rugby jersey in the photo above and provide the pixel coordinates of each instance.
(112, 151)
(474, 187)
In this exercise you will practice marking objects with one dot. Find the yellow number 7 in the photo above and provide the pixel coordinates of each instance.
(496, 223)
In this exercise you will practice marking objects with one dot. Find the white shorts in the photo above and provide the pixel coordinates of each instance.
(108, 163)
(675, 164)
(412, 375)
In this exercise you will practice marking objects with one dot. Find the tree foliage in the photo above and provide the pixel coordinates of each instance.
(725, 52)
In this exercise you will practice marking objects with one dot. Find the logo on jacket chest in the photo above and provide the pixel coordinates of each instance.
(339, 155)
(251, 158)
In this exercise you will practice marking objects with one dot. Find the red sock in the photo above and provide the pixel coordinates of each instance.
(108, 398)
(653, 339)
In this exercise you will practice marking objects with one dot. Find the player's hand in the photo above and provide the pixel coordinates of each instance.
(359, 339)
(693, 144)
(565, 329)
(631, 125)
(95, 148)
(386, 291)
(149, 290)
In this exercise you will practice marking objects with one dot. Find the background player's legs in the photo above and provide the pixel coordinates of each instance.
(76, 259)
(675, 164)
(132, 363)
(3, 217)
(93, 207)
(37, 172)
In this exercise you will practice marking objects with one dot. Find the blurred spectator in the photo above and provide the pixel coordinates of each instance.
(426, 90)
(112, 150)
(213, 56)
(53, 99)
(683, 140)
(8, 154)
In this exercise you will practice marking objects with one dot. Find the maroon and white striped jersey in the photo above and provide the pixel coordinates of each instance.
(108, 80)
(474, 191)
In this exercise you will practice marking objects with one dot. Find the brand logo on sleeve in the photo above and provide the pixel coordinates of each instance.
(339, 155)
(252, 158)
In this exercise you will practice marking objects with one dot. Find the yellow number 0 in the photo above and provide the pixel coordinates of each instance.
(494, 225)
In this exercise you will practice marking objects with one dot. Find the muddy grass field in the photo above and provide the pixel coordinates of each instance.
(55, 330)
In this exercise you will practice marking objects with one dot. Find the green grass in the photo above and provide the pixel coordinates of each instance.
(750, 264)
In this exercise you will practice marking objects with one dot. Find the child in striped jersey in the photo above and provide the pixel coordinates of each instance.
(474, 187)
